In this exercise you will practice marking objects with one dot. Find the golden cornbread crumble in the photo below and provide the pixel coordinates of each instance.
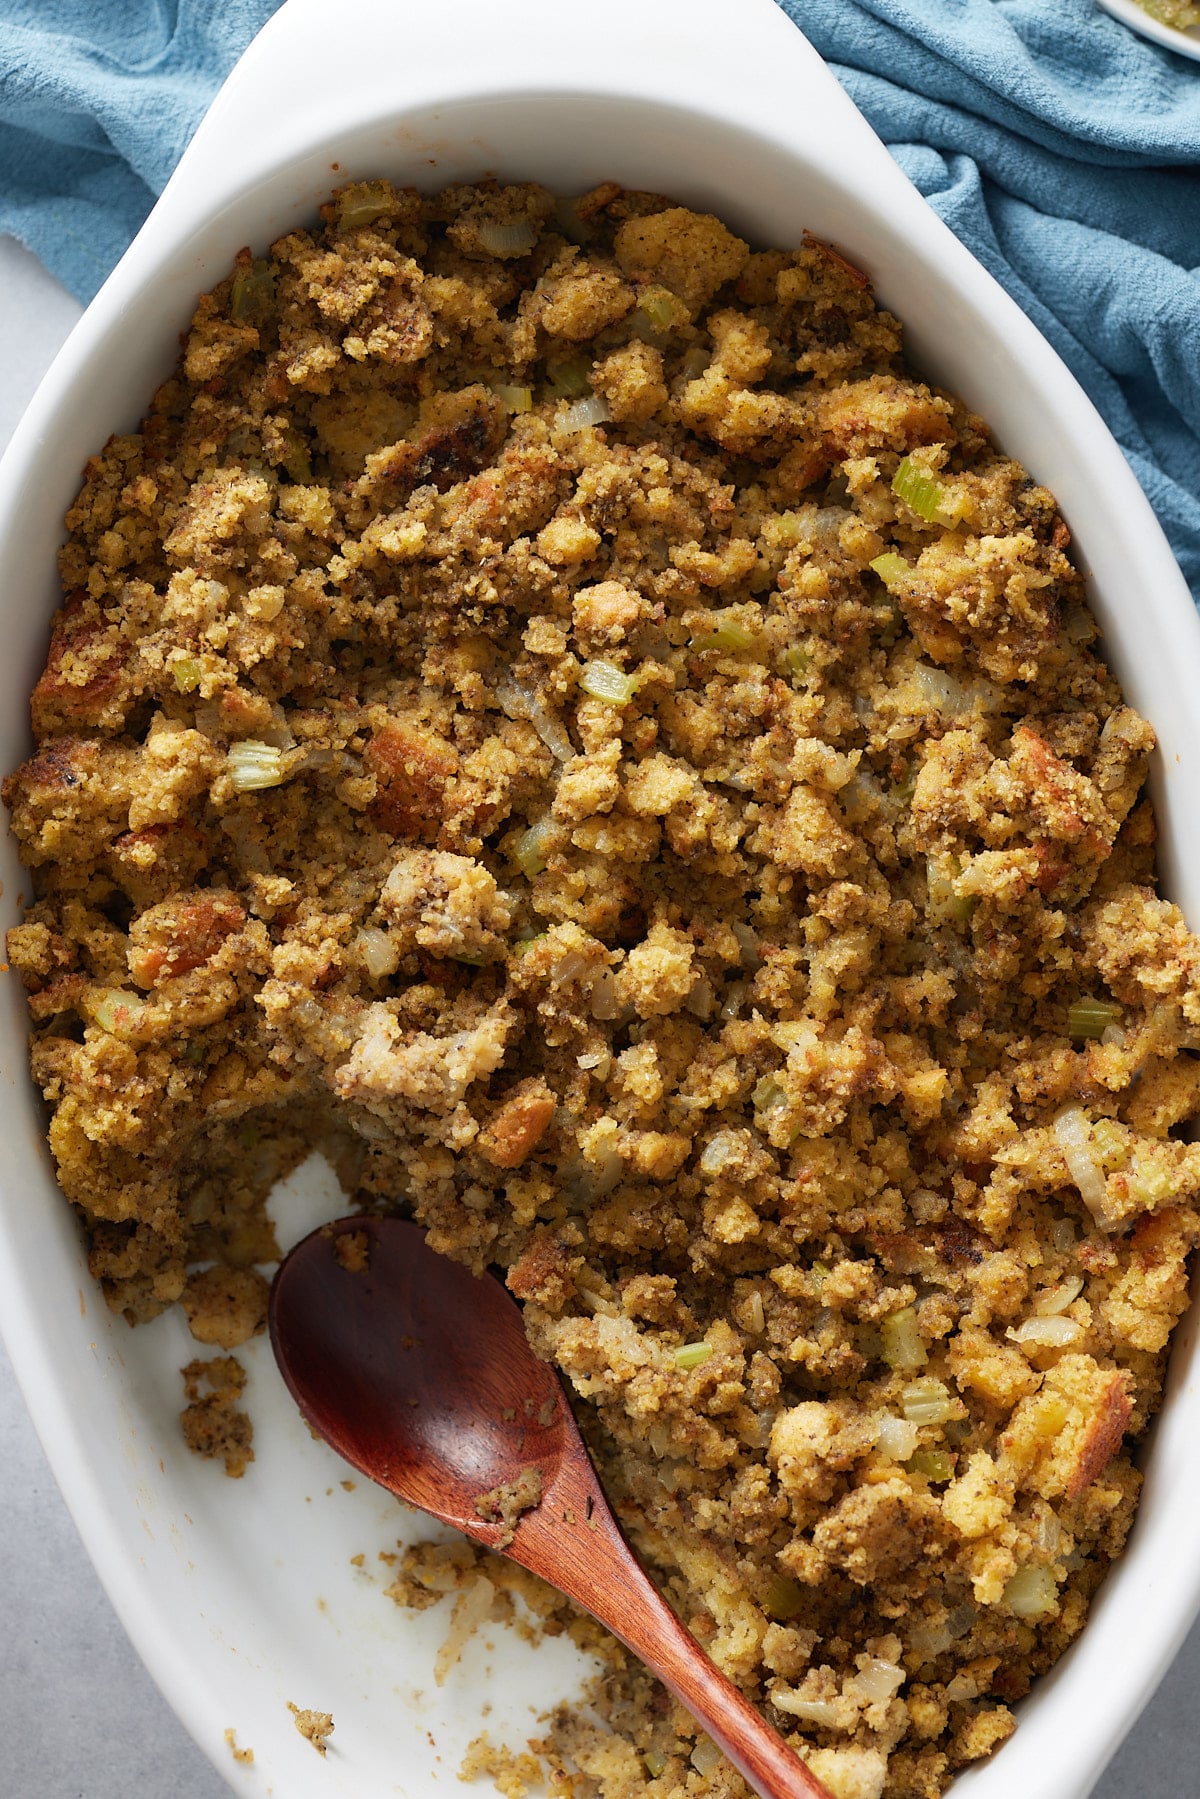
(550, 708)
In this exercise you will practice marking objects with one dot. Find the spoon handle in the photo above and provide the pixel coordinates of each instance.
(574, 1532)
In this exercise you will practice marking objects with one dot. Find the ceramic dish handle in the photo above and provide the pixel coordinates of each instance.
(740, 60)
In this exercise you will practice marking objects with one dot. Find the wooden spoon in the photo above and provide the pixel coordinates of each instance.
(420, 1375)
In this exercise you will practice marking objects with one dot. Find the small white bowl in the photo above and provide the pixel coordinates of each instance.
(241, 1596)
(1184, 43)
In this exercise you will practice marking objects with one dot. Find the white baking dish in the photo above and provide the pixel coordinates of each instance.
(241, 1596)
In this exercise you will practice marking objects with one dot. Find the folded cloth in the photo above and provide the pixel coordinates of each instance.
(1062, 149)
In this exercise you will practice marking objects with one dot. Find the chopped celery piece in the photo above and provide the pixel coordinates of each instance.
(798, 661)
(1090, 1018)
(363, 203)
(297, 462)
(569, 378)
(252, 293)
(605, 681)
(1151, 1185)
(927, 1402)
(891, 569)
(768, 1095)
(726, 634)
(515, 399)
(917, 488)
(186, 672)
(117, 1011)
(934, 1464)
(656, 1763)
(1110, 1144)
(901, 1340)
(783, 1599)
(531, 851)
(660, 309)
(690, 1355)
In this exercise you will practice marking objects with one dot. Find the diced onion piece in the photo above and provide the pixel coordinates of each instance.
(706, 1757)
(254, 765)
(518, 701)
(690, 1355)
(927, 1401)
(718, 1152)
(821, 1712)
(533, 847)
(602, 996)
(1046, 1333)
(186, 672)
(876, 1679)
(940, 691)
(117, 1010)
(514, 399)
(932, 1464)
(471, 1609)
(595, 410)
(901, 1340)
(516, 239)
(1074, 1137)
(892, 570)
(896, 1437)
(605, 681)
(1032, 1593)
(784, 1598)
(1056, 1299)
(1062, 1235)
(377, 951)
(1090, 1018)
(750, 945)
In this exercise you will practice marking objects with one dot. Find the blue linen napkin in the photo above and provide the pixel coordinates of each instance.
(1061, 148)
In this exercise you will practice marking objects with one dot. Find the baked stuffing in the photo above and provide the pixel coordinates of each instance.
(550, 709)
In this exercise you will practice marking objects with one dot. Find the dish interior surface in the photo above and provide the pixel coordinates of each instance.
(243, 1596)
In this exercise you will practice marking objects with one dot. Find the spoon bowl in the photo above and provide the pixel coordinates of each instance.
(420, 1375)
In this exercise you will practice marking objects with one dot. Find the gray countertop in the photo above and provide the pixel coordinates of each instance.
(84, 1718)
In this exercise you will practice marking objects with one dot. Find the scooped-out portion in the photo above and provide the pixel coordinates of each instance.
(550, 708)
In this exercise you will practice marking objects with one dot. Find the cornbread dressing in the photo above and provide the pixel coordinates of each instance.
(550, 710)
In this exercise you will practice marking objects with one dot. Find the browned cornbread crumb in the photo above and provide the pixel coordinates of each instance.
(244, 1757)
(548, 706)
(213, 1424)
(317, 1727)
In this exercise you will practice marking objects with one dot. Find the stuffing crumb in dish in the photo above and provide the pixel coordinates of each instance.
(244, 1757)
(213, 1423)
(550, 709)
(505, 1505)
(316, 1727)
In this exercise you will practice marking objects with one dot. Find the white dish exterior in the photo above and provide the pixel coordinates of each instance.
(1184, 43)
(240, 1596)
